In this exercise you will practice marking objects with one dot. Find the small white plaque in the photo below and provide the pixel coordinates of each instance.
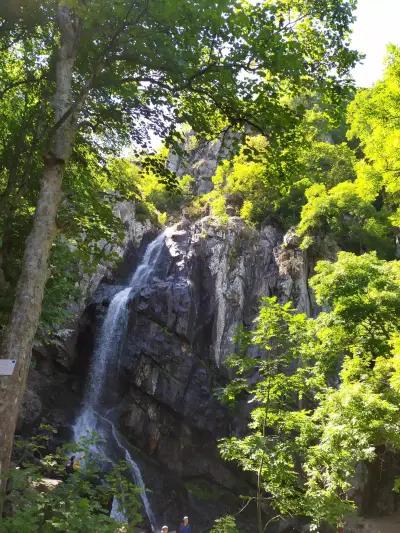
(7, 367)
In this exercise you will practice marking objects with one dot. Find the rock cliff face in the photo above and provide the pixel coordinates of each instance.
(180, 331)
(200, 158)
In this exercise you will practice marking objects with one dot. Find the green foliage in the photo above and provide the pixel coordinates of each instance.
(336, 200)
(207, 64)
(374, 119)
(77, 503)
(245, 177)
(263, 181)
(273, 443)
(360, 210)
(157, 194)
(328, 163)
(325, 391)
(62, 286)
(363, 293)
(343, 214)
(226, 524)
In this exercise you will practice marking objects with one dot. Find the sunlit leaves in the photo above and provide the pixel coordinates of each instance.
(364, 294)
(324, 392)
(375, 121)
(151, 66)
(343, 214)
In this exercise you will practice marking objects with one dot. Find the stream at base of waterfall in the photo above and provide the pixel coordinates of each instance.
(94, 418)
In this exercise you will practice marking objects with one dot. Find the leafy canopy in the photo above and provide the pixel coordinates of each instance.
(375, 122)
(323, 392)
(146, 65)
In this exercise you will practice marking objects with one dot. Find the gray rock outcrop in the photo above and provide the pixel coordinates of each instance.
(180, 331)
(200, 158)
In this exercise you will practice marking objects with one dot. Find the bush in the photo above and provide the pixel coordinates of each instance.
(344, 214)
(78, 503)
(226, 524)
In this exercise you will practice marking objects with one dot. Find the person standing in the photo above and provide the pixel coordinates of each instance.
(185, 527)
(164, 529)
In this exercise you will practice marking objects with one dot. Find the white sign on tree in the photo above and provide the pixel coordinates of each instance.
(7, 367)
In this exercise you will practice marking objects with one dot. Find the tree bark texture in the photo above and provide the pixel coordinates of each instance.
(30, 288)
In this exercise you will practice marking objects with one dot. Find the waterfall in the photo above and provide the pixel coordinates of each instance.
(105, 364)
(137, 475)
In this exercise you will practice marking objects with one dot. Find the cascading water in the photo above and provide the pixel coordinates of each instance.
(93, 418)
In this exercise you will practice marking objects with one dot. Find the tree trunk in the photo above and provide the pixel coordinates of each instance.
(260, 528)
(29, 293)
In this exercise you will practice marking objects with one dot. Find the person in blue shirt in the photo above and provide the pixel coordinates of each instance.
(185, 527)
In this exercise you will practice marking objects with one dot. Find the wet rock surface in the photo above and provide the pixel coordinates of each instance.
(180, 332)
